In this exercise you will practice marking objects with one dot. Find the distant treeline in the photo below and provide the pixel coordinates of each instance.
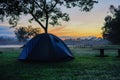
(79, 42)
(89, 42)
(8, 41)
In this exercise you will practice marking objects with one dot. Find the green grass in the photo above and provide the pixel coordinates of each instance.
(85, 66)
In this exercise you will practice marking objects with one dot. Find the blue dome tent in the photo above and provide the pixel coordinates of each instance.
(45, 48)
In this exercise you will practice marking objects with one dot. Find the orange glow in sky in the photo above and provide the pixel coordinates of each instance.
(76, 31)
(85, 23)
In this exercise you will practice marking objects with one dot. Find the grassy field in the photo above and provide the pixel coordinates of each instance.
(85, 66)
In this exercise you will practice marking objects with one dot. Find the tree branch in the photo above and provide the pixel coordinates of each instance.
(31, 12)
(38, 5)
(47, 18)
(44, 3)
(53, 6)
(33, 5)
(37, 20)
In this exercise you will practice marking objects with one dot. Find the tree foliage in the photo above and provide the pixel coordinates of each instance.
(44, 12)
(111, 28)
(24, 33)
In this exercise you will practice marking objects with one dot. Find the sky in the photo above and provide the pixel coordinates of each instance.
(80, 24)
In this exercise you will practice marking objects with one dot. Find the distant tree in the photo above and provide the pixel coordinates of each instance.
(24, 33)
(111, 28)
(44, 12)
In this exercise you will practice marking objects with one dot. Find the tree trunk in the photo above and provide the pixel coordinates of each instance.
(45, 29)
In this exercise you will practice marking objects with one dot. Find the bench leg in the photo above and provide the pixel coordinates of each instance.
(1, 52)
(118, 53)
(102, 53)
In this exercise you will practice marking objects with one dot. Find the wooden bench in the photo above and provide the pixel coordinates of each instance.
(103, 48)
(102, 52)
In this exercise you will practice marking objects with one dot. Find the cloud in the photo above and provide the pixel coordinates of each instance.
(57, 29)
(6, 31)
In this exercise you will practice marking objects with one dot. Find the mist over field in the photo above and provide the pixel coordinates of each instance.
(7, 37)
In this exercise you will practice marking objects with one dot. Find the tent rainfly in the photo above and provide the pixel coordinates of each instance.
(45, 48)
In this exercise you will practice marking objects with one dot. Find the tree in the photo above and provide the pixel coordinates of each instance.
(111, 28)
(44, 12)
(24, 33)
